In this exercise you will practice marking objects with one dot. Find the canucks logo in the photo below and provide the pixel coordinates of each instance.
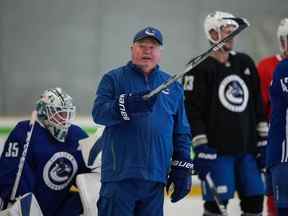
(233, 93)
(59, 170)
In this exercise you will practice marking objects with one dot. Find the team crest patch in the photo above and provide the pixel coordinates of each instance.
(233, 93)
(59, 170)
(188, 83)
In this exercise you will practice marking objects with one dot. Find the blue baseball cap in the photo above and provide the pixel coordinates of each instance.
(149, 32)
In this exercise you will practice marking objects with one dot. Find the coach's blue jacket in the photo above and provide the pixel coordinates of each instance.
(141, 147)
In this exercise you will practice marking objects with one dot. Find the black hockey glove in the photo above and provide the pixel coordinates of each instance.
(133, 103)
(179, 180)
(262, 130)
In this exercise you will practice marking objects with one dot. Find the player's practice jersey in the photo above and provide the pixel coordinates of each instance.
(266, 69)
(277, 149)
(141, 147)
(50, 165)
(223, 102)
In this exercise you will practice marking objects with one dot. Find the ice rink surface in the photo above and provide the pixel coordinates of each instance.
(193, 207)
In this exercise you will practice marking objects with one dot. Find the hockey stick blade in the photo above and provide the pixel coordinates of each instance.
(243, 24)
(23, 156)
(213, 189)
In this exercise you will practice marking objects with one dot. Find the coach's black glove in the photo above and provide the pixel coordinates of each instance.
(262, 133)
(179, 180)
(132, 103)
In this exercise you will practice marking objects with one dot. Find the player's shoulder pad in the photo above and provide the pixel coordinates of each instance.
(19, 132)
(242, 56)
(281, 69)
(75, 133)
(266, 60)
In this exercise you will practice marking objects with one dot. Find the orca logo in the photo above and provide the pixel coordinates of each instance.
(59, 170)
(149, 32)
(166, 91)
(233, 93)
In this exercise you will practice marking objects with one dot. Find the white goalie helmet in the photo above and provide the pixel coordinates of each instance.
(282, 34)
(215, 21)
(56, 112)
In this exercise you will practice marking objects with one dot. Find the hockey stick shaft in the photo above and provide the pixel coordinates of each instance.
(243, 24)
(23, 156)
(213, 189)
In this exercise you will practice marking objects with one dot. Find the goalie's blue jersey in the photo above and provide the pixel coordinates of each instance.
(141, 147)
(50, 166)
(277, 150)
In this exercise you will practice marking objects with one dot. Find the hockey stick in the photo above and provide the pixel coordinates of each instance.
(213, 189)
(23, 156)
(243, 24)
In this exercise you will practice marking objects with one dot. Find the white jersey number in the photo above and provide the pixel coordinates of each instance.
(13, 149)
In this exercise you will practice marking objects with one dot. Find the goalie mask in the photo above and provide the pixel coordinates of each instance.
(217, 20)
(282, 35)
(56, 111)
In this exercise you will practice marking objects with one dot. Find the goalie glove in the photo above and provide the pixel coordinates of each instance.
(179, 180)
(134, 103)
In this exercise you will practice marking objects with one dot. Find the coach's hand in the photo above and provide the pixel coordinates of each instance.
(133, 103)
(179, 180)
(204, 158)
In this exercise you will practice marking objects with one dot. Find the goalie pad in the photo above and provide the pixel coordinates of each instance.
(25, 205)
(91, 148)
(89, 188)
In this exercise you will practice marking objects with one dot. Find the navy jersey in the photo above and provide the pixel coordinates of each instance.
(50, 166)
(143, 146)
(224, 104)
(277, 149)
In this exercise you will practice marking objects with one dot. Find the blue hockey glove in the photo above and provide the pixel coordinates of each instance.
(262, 132)
(179, 180)
(133, 103)
(204, 158)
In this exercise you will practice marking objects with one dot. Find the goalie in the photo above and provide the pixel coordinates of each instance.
(52, 159)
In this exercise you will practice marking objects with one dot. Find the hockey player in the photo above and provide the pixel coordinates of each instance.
(266, 68)
(141, 136)
(53, 158)
(223, 102)
(277, 156)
